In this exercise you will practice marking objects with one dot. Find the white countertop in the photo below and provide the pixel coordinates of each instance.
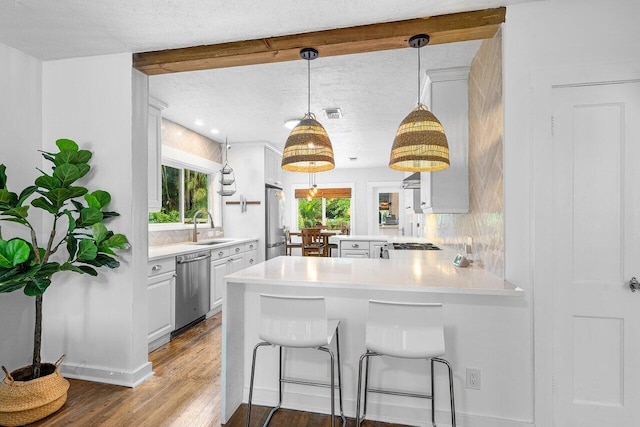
(415, 271)
(157, 252)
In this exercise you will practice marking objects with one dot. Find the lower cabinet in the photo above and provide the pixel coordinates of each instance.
(361, 248)
(237, 260)
(161, 290)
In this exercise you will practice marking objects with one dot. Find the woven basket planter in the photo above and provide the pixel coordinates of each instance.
(24, 402)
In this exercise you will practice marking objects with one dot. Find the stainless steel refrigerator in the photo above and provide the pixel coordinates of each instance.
(274, 236)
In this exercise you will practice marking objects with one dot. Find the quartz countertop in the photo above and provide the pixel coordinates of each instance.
(415, 271)
(158, 252)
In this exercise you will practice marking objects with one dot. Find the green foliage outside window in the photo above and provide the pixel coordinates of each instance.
(337, 213)
(196, 195)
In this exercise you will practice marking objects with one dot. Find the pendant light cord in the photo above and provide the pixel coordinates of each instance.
(309, 87)
(418, 49)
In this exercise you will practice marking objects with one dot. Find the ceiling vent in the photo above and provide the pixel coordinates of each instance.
(333, 113)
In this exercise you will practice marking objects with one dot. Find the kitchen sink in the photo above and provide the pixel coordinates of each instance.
(211, 242)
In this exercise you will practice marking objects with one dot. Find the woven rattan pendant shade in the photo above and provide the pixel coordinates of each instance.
(308, 148)
(420, 143)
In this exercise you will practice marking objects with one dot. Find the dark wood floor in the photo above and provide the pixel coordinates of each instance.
(185, 391)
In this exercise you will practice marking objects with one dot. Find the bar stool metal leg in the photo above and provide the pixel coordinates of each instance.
(332, 385)
(433, 396)
(280, 377)
(339, 375)
(451, 396)
(253, 370)
(364, 359)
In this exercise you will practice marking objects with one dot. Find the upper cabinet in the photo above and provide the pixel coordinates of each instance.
(447, 191)
(272, 167)
(154, 141)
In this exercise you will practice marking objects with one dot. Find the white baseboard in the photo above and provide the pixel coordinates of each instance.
(389, 413)
(102, 375)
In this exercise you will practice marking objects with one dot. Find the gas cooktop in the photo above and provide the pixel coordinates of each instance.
(415, 246)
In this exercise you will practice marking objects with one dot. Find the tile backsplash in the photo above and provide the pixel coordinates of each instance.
(171, 237)
(485, 220)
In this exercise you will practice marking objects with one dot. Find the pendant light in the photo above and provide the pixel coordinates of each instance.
(308, 148)
(420, 144)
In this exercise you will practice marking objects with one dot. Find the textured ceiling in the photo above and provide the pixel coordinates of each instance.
(375, 91)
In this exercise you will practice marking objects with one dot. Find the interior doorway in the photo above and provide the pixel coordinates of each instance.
(385, 216)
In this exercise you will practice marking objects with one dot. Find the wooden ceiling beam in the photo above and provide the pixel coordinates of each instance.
(441, 29)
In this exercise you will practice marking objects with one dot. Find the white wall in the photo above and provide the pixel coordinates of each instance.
(100, 323)
(20, 137)
(358, 177)
(541, 37)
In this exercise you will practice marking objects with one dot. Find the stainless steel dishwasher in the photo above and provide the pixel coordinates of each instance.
(193, 286)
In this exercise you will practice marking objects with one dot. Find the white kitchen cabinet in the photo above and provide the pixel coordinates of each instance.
(272, 167)
(154, 156)
(361, 248)
(228, 260)
(447, 191)
(250, 258)
(161, 288)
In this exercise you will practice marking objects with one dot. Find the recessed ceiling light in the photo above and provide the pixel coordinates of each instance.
(291, 123)
(199, 122)
(215, 131)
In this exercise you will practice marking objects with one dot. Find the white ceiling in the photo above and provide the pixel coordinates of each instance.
(375, 91)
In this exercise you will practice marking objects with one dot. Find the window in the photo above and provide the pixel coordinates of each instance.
(184, 192)
(329, 206)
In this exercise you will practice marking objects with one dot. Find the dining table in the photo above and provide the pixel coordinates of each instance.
(325, 234)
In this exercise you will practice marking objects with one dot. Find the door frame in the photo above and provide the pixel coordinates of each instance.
(373, 189)
(540, 149)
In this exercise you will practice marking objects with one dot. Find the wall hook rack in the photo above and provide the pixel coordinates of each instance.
(243, 203)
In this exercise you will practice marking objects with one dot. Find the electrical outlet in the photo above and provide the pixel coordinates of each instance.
(473, 379)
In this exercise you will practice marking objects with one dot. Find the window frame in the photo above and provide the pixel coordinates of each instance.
(181, 160)
(294, 202)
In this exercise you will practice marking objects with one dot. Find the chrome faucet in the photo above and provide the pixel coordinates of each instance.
(195, 223)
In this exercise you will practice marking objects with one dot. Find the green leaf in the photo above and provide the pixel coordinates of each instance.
(18, 220)
(79, 206)
(67, 174)
(58, 196)
(21, 212)
(48, 156)
(48, 269)
(107, 261)
(83, 169)
(117, 241)
(13, 252)
(77, 191)
(102, 248)
(92, 201)
(37, 286)
(106, 215)
(87, 250)
(43, 203)
(72, 247)
(72, 221)
(99, 232)
(88, 270)
(65, 156)
(24, 195)
(66, 144)
(3, 176)
(48, 182)
(67, 266)
(89, 216)
(10, 287)
(103, 197)
(84, 156)
(5, 196)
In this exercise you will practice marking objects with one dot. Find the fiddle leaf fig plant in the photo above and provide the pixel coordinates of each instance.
(77, 227)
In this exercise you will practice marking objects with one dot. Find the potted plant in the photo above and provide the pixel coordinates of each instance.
(80, 241)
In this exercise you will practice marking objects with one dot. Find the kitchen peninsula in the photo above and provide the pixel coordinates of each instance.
(476, 303)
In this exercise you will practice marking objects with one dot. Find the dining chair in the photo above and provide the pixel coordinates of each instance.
(313, 243)
(289, 245)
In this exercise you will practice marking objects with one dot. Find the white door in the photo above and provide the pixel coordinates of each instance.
(596, 251)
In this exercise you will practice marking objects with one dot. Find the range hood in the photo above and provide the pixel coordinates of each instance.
(412, 181)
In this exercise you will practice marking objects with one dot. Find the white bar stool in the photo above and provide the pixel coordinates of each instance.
(297, 322)
(409, 331)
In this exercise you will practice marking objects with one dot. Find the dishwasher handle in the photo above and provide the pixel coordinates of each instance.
(190, 260)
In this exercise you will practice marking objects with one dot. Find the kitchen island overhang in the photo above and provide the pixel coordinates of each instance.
(348, 284)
